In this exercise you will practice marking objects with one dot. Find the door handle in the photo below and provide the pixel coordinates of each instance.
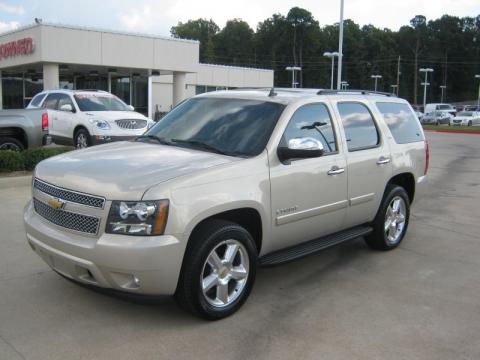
(383, 160)
(335, 170)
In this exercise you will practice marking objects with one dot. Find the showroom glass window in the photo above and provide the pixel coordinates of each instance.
(401, 121)
(312, 120)
(360, 130)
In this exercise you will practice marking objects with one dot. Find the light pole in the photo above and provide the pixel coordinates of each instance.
(293, 69)
(376, 77)
(443, 88)
(425, 84)
(340, 47)
(394, 89)
(478, 100)
(344, 85)
(332, 56)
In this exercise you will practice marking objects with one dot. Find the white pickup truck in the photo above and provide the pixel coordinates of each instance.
(89, 117)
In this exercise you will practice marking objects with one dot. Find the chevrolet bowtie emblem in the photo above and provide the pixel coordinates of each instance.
(57, 204)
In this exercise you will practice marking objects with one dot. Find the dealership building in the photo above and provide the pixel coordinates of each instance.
(152, 73)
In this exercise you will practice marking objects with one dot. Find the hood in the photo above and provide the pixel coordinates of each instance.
(124, 170)
(115, 115)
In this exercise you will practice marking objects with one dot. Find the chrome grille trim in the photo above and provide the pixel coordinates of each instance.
(66, 219)
(131, 124)
(69, 195)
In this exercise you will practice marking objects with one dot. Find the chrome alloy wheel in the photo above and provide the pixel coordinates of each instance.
(225, 273)
(10, 146)
(82, 141)
(395, 220)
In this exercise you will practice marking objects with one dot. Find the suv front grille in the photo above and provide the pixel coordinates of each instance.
(66, 219)
(69, 195)
(131, 124)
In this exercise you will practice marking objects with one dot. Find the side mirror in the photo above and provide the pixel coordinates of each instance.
(131, 108)
(66, 107)
(301, 148)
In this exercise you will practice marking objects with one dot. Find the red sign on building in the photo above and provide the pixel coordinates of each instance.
(16, 48)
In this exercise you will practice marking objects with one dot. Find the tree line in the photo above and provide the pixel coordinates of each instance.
(450, 45)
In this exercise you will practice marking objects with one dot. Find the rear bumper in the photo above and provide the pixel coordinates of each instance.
(147, 265)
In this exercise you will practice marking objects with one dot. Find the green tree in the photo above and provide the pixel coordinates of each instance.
(234, 44)
(202, 30)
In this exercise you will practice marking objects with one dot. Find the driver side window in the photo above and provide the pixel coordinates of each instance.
(314, 121)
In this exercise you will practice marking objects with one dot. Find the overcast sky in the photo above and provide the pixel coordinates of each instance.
(158, 16)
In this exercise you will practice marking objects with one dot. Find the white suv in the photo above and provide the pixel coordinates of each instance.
(89, 117)
(224, 182)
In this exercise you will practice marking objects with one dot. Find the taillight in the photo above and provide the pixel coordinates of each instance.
(45, 122)
(427, 157)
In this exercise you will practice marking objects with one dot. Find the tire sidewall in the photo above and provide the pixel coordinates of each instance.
(77, 133)
(8, 140)
(202, 252)
(380, 223)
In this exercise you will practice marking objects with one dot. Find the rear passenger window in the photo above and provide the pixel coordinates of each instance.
(37, 99)
(312, 120)
(401, 121)
(51, 102)
(360, 129)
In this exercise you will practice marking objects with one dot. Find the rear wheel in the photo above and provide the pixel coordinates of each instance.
(9, 143)
(391, 221)
(218, 270)
(470, 123)
(81, 139)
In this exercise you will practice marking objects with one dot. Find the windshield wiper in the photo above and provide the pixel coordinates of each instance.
(158, 139)
(199, 144)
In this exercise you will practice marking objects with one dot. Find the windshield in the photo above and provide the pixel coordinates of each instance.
(99, 102)
(444, 107)
(235, 127)
(465, 113)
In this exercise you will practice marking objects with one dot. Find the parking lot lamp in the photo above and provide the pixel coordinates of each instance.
(376, 77)
(394, 89)
(293, 69)
(478, 99)
(425, 84)
(443, 87)
(344, 85)
(340, 47)
(332, 56)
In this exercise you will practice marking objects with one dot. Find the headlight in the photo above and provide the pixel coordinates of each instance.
(101, 124)
(137, 217)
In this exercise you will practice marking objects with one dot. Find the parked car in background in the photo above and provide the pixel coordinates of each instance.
(466, 118)
(22, 129)
(419, 114)
(471, 108)
(227, 181)
(441, 107)
(437, 118)
(88, 117)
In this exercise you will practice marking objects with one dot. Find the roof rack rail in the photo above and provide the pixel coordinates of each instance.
(354, 92)
(96, 90)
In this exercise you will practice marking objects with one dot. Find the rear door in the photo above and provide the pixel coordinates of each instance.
(65, 120)
(308, 196)
(368, 161)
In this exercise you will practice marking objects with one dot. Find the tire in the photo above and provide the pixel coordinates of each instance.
(212, 303)
(437, 123)
(470, 123)
(9, 143)
(388, 239)
(81, 139)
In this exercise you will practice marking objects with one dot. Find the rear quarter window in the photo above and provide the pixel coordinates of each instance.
(401, 121)
(37, 99)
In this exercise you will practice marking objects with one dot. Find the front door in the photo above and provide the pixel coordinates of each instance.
(308, 196)
(65, 120)
(368, 162)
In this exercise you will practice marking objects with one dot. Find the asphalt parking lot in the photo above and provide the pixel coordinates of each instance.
(420, 301)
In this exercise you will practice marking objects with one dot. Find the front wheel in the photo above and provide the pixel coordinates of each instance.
(81, 139)
(218, 270)
(391, 221)
(470, 123)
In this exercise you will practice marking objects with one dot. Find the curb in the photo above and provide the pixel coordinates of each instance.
(15, 181)
(475, 132)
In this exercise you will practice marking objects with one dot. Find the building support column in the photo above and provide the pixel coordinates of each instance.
(109, 82)
(149, 97)
(1, 91)
(179, 87)
(50, 76)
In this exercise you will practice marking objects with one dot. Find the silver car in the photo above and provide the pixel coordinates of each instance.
(225, 182)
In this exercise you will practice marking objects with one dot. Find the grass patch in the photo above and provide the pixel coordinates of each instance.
(461, 129)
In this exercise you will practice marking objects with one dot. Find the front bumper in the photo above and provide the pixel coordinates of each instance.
(147, 265)
(105, 139)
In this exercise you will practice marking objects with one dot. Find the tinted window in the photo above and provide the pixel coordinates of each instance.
(37, 99)
(51, 101)
(235, 127)
(99, 102)
(360, 129)
(314, 121)
(64, 99)
(402, 122)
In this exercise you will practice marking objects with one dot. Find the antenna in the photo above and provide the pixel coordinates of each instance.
(272, 92)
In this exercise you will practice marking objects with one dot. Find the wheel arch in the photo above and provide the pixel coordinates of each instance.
(16, 133)
(407, 181)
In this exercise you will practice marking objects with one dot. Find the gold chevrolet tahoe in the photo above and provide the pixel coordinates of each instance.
(226, 182)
